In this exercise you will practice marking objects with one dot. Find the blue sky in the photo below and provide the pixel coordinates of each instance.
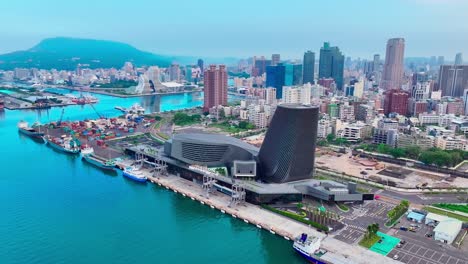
(243, 28)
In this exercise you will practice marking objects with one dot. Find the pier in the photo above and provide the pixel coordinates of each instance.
(288, 229)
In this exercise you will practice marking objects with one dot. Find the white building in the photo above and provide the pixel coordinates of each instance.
(425, 119)
(259, 119)
(270, 97)
(449, 143)
(359, 88)
(355, 132)
(324, 128)
(297, 94)
(446, 229)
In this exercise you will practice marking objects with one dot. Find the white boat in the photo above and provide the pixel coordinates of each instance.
(136, 109)
(309, 248)
(134, 174)
(87, 150)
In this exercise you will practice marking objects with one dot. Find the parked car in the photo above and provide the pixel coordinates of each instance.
(402, 242)
(395, 257)
(403, 228)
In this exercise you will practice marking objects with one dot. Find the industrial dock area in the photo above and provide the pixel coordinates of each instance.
(230, 175)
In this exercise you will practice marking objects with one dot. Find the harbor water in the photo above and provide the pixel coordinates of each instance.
(57, 209)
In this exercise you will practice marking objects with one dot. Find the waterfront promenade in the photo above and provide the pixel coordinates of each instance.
(338, 252)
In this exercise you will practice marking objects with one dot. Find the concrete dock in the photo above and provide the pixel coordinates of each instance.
(338, 252)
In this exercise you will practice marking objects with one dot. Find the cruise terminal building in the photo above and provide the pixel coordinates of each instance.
(280, 171)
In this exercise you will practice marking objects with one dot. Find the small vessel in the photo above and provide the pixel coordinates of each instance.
(136, 109)
(33, 132)
(67, 145)
(309, 248)
(98, 162)
(87, 150)
(134, 174)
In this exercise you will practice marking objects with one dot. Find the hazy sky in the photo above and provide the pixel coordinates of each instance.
(243, 28)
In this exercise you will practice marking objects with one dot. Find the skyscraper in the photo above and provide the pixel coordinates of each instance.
(174, 72)
(331, 64)
(259, 66)
(297, 74)
(275, 77)
(465, 101)
(200, 65)
(453, 79)
(376, 63)
(393, 70)
(440, 60)
(215, 83)
(309, 67)
(288, 74)
(459, 59)
(275, 59)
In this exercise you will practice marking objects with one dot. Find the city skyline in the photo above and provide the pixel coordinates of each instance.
(246, 21)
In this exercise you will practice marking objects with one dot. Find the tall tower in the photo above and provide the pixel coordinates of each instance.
(275, 77)
(275, 59)
(288, 151)
(393, 70)
(215, 83)
(459, 59)
(308, 67)
(200, 65)
(331, 64)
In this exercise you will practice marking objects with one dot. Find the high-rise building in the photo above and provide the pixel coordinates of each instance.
(270, 96)
(376, 63)
(275, 59)
(309, 67)
(275, 76)
(465, 101)
(288, 151)
(200, 65)
(459, 59)
(396, 101)
(215, 83)
(259, 66)
(174, 72)
(393, 70)
(453, 80)
(440, 60)
(297, 94)
(288, 74)
(297, 74)
(331, 64)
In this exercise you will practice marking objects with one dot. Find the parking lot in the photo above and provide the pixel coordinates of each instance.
(361, 216)
(420, 249)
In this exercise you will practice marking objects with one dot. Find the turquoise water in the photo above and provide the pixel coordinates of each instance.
(56, 209)
(7, 92)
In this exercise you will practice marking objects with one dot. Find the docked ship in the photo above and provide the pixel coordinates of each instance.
(135, 109)
(309, 248)
(33, 132)
(98, 162)
(134, 174)
(67, 145)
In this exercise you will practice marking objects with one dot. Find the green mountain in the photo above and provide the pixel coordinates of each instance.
(67, 53)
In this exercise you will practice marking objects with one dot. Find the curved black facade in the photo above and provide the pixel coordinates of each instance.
(288, 151)
(209, 149)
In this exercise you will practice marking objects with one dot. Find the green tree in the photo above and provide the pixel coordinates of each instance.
(412, 151)
(383, 148)
(330, 137)
(397, 153)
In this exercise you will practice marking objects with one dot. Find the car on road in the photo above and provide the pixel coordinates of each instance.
(395, 257)
(403, 228)
(428, 235)
(402, 242)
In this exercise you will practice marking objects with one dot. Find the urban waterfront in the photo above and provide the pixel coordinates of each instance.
(57, 209)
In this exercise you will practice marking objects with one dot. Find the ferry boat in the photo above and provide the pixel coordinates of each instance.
(25, 129)
(100, 163)
(67, 145)
(134, 174)
(309, 248)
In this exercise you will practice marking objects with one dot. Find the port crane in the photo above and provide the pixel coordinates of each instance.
(59, 122)
(94, 108)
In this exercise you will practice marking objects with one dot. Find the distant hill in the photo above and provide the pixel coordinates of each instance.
(67, 53)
